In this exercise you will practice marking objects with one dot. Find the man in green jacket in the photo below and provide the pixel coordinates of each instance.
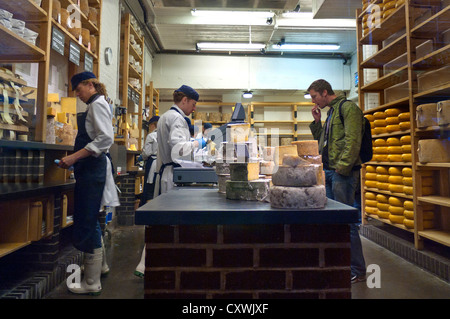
(339, 146)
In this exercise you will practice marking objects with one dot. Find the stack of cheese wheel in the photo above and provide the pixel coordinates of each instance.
(371, 120)
(365, 25)
(388, 8)
(408, 213)
(370, 202)
(396, 210)
(406, 148)
(383, 206)
(395, 180)
(407, 180)
(380, 150)
(379, 123)
(382, 178)
(392, 120)
(370, 177)
(427, 215)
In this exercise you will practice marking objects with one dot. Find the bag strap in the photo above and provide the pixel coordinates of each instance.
(340, 111)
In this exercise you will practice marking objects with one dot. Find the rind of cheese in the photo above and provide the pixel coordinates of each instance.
(395, 201)
(371, 210)
(299, 176)
(380, 142)
(370, 195)
(408, 213)
(370, 169)
(382, 198)
(293, 160)
(395, 188)
(393, 141)
(280, 151)
(310, 147)
(267, 167)
(313, 159)
(256, 190)
(443, 110)
(222, 168)
(426, 115)
(408, 205)
(434, 151)
(244, 171)
(298, 197)
(405, 125)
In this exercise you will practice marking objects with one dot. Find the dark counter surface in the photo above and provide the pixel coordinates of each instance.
(203, 206)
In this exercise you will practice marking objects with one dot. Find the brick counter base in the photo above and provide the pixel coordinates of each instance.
(247, 261)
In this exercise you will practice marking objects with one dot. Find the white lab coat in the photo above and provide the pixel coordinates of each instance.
(100, 130)
(174, 144)
(150, 149)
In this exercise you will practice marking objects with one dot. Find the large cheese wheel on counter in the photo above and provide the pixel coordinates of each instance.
(298, 197)
(434, 151)
(280, 151)
(307, 147)
(299, 176)
(255, 190)
(244, 171)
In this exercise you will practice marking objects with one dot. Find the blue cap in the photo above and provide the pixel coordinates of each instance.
(207, 126)
(153, 119)
(190, 92)
(80, 77)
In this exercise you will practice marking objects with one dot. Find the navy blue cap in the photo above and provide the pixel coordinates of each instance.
(207, 126)
(190, 92)
(80, 77)
(154, 119)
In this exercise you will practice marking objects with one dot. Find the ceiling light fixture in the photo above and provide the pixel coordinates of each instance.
(230, 46)
(307, 95)
(234, 14)
(247, 94)
(306, 46)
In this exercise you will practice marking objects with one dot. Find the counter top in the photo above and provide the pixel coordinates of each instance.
(203, 206)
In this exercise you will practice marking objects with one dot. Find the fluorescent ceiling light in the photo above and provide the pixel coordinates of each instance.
(247, 95)
(233, 14)
(307, 96)
(230, 46)
(297, 15)
(306, 46)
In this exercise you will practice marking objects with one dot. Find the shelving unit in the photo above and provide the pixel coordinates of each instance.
(131, 92)
(407, 27)
(151, 101)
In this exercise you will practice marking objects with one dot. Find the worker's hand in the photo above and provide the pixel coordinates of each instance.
(67, 162)
(317, 115)
(201, 143)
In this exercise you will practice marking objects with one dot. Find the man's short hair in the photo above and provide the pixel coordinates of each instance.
(320, 86)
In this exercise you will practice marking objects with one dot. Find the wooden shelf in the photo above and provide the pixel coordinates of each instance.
(15, 49)
(439, 21)
(437, 200)
(387, 221)
(436, 58)
(439, 236)
(386, 54)
(393, 78)
(376, 190)
(29, 11)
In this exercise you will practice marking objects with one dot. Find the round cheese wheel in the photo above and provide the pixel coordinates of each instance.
(380, 150)
(370, 184)
(408, 190)
(379, 130)
(382, 170)
(392, 128)
(404, 116)
(406, 148)
(394, 158)
(371, 203)
(395, 149)
(307, 147)
(371, 176)
(406, 157)
(371, 210)
(380, 122)
(379, 142)
(407, 171)
(370, 196)
(405, 139)
(409, 223)
(387, 13)
(392, 112)
(408, 204)
(382, 198)
(384, 178)
(396, 188)
(399, 3)
(407, 181)
(405, 125)
(379, 115)
(370, 169)
(395, 201)
(395, 179)
(408, 214)
(393, 141)
(383, 186)
(383, 206)
(370, 117)
(393, 170)
(389, 5)
(396, 219)
(381, 157)
(383, 214)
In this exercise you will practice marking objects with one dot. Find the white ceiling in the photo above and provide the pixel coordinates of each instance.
(171, 28)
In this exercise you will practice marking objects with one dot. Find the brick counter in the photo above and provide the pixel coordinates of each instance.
(266, 253)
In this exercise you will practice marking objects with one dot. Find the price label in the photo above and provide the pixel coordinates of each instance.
(58, 41)
(74, 53)
(88, 62)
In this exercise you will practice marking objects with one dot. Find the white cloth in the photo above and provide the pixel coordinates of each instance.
(100, 130)
(174, 144)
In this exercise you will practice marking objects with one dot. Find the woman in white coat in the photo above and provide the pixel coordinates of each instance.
(149, 153)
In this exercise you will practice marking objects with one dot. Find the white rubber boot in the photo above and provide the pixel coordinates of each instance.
(105, 267)
(140, 269)
(92, 270)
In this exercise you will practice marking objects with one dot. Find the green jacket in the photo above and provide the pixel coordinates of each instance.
(344, 142)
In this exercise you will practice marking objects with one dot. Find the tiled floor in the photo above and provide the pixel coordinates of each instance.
(399, 279)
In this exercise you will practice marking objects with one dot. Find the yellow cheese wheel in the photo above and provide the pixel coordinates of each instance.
(380, 122)
(370, 195)
(370, 184)
(406, 148)
(408, 190)
(395, 201)
(393, 141)
(393, 170)
(406, 157)
(382, 170)
(392, 120)
(399, 3)
(392, 112)
(371, 176)
(404, 116)
(364, 18)
(427, 190)
(392, 128)
(383, 206)
(405, 139)
(408, 204)
(370, 169)
(379, 142)
(406, 171)
(379, 130)
(382, 198)
(427, 181)
(384, 178)
(381, 157)
(371, 210)
(379, 115)
(396, 219)
(380, 150)
(389, 5)
(409, 223)
(407, 181)
(395, 149)
(395, 158)
(383, 214)
(408, 214)
(387, 13)
(372, 125)
(371, 203)
(395, 179)
(396, 188)
(383, 186)
(405, 125)
(370, 117)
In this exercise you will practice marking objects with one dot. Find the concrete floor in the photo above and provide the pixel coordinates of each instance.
(399, 279)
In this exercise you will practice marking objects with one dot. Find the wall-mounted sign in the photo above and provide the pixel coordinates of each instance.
(88, 62)
(58, 41)
(74, 53)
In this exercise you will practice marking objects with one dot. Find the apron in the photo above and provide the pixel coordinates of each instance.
(147, 192)
(90, 176)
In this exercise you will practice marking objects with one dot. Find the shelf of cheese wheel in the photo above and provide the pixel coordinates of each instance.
(409, 215)
(390, 121)
(297, 182)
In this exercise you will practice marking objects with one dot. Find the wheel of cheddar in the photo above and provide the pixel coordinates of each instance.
(383, 206)
(427, 190)
(371, 176)
(370, 169)
(408, 190)
(382, 198)
(408, 205)
(389, 5)
(383, 214)
(393, 170)
(392, 111)
(393, 141)
(406, 148)
(392, 120)
(394, 149)
(371, 203)
(381, 157)
(406, 157)
(370, 117)
(409, 223)
(404, 116)
(371, 210)
(392, 128)
(383, 186)
(405, 140)
(384, 178)
(396, 219)
(428, 215)
(406, 171)
(396, 188)
(370, 184)
(408, 214)
(399, 3)
(395, 179)
(427, 181)
(381, 170)
(407, 181)
(380, 150)
(395, 201)
(380, 130)
(379, 122)
(370, 196)
(404, 125)
(379, 142)
(379, 115)
(395, 158)
(387, 13)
